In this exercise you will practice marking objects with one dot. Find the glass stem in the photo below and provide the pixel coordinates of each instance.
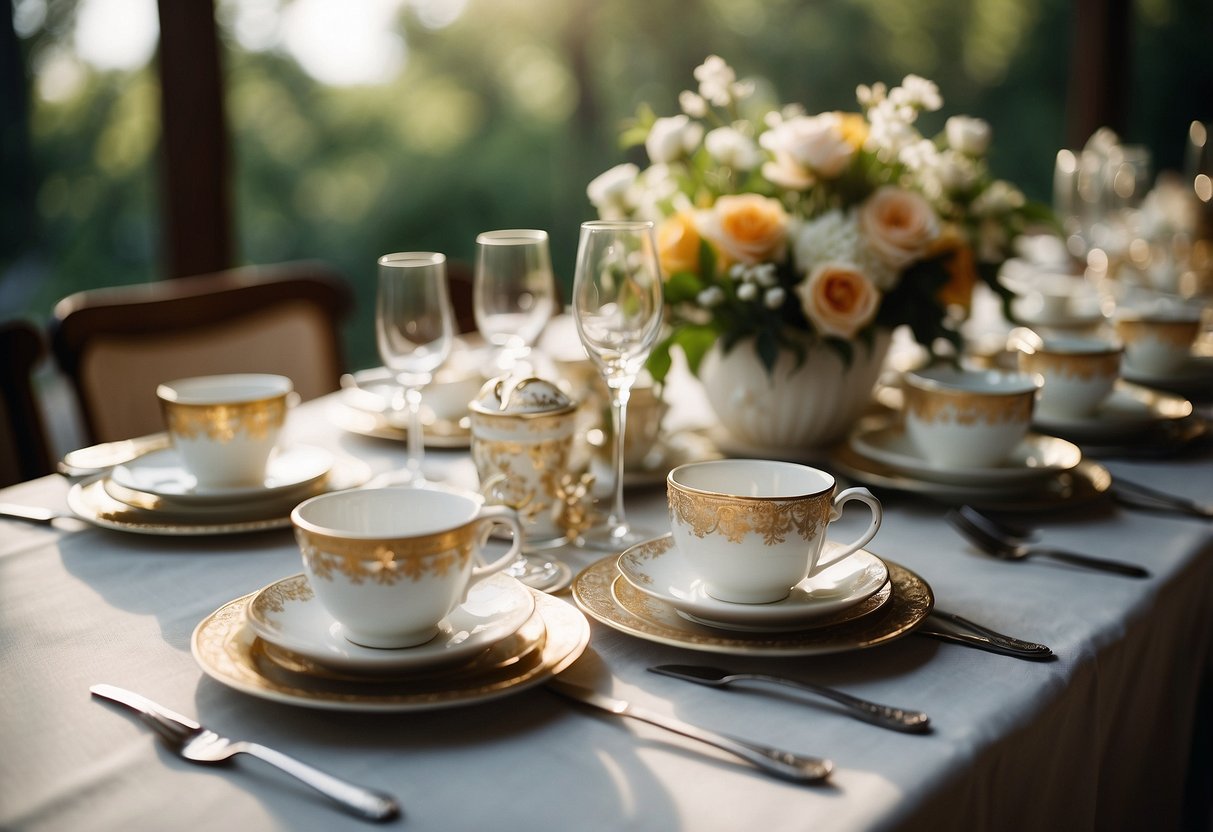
(416, 446)
(619, 420)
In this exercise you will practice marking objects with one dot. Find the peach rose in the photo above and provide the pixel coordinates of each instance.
(747, 228)
(899, 225)
(678, 244)
(838, 299)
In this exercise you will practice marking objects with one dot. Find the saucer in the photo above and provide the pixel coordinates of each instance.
(287, 614)
(1035, 458)
(437, 433)
(228, 651)
(1194, 378)
(162, 474)
(1129, 409)
(659, 569)
(667, 452)
(607, 597)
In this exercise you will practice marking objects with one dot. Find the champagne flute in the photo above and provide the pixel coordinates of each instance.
(414, 329)
(513, 292)
(617, 305)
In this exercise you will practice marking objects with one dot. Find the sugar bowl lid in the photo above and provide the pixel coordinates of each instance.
(514, 396)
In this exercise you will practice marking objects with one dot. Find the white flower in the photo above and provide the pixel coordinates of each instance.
(921, 155)
(716, 79)
(832, 236)
(652, 192)
(731, 148)
(917, 92)
(1000, 198)
(692, 104)
(955, 172)
(815, 144)
(608, 192)
(672, 138)
(970, 136)
(747, 291)
(773, 299)
(709, 297)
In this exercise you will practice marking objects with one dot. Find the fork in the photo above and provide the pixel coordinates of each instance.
(1006, 549)
(199, 744)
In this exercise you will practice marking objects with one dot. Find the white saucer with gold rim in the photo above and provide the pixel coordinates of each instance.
(163, 474)
(657, 568)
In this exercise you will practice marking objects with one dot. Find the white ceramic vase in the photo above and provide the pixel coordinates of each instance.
(807, 406)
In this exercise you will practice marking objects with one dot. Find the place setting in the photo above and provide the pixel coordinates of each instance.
(747, 569)
(225, 470)
(395, 610)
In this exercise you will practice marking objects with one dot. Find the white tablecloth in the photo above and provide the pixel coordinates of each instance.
(1101, 738)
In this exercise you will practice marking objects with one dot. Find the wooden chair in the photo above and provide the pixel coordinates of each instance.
(116, 344)
(24, 451)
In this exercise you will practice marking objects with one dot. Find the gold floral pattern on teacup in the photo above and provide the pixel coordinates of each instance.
(389, 560)
(224, 422)
(736, 516)
(964, 407)
(275, 598)
(1178, 333)
(1086, 366)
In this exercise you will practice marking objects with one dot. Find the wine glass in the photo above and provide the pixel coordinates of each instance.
(513, 292)
(414, 329)
(617, 304)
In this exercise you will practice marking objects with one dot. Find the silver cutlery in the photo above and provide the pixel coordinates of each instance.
(783, 764)
(197, 744)
(897, 719)
(1136, 495)
(1008, 549)
(98, 458)
(981, 637)
(31, 514)
(999, 526)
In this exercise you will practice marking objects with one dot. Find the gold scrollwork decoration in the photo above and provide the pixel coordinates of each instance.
(773, 520)
(224, 422)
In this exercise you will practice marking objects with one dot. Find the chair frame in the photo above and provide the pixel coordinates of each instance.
(23, 346)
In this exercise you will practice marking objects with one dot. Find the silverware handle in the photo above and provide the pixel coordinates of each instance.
(886, 716)
(363, 802)
(1175, 501)
(1073, 558)
(783, 764)
(32, 514)
(988, 644)
(1001, 639)
(96, 458)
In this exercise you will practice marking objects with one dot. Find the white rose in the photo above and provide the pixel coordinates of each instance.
(732, 148)
(608, 191)
(813, 142)
(672, 138)
(970, 136)
(955, 171)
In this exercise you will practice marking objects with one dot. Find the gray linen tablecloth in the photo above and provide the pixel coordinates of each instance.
(1102, 738)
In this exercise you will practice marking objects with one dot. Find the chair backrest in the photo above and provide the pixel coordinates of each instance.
(117, 344)
(24, 451)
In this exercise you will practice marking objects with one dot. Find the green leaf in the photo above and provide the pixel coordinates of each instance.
(707, 259)
(695, 340)
(767, 345)
(682, 287)
(660, 360)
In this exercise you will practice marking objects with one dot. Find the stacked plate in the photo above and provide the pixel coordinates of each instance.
(366, 405)
(1040, 471)
(649, 591)
(281, 644)
(156, 494)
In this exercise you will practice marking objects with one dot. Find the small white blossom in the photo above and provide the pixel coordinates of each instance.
(917, 92)
(920, 155)
(764, 275)
(716, 79)
(731, 148)
(609, 191)
(747, 291)
(1000, 198)
(692, 104)
(773, 299)
(672, 138)
(970, 136)
(711, 296)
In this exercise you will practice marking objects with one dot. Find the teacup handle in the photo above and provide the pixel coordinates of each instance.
(863, 496)
(494, 516)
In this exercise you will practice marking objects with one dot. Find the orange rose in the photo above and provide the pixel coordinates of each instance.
(838, 299)
(678, 244)
(747, 228)
(899, 225)
(958, 261)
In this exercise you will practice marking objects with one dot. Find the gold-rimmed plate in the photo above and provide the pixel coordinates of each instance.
(440, 434)
(229, 652)
(141, 513)
(605, 596)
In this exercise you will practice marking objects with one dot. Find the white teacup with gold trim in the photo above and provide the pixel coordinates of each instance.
(967, 418)
(1158, 341)
(751, 529)
(390, 563)
(522, 442)
(226, 426)
(1078, 372)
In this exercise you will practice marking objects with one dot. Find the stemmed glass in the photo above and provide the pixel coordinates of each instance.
(617, 306)
(414, 329)
(513, 292)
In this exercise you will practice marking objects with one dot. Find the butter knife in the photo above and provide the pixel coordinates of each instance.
(982, 637)
(783, 764)
(94, 459)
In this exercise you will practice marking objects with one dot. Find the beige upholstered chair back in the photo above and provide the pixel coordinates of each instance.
(118, 344)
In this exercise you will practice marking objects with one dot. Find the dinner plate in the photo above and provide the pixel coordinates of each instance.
(163, 474)
(1085, 483)
(228, 651)
(658, 568)
(1035, 458)
(1129, 409)
(608, 598)
(90, 501)
(288, 614)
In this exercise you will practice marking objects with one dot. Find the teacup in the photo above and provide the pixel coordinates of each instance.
(522, 441)
(1158, 341)
(390, 563)
(226, 426)
(752, 529)
(967, 418)
(1078, 373)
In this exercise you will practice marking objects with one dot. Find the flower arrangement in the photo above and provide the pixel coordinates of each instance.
(796, 229)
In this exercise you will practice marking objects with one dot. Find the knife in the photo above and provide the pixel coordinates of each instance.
(94, 459)
(983, 638)
(784, 764)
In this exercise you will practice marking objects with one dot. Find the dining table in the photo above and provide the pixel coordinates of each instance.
(1113, 731)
